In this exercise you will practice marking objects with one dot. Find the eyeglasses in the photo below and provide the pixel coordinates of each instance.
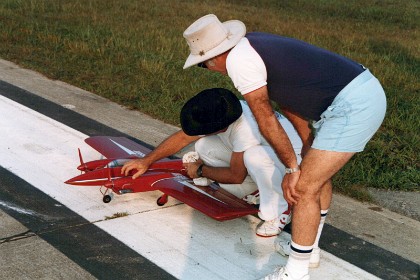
(202, 64)
(205, 64)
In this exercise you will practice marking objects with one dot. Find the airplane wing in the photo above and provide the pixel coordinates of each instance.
(211, 200)
(117, 147)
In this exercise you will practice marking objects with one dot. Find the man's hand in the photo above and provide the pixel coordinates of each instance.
(141, 165)
(191, 168)
(289, 187)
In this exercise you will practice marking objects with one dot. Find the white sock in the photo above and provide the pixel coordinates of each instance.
(298, 262)
(321, 225)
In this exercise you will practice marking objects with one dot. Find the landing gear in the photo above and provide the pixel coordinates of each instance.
(107, 195)
(162, 200)
(106, 198)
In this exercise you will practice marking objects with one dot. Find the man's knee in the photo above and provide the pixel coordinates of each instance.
(207, 146)
(257, 157)
(200, 146)
(212, 151)
(308, 190)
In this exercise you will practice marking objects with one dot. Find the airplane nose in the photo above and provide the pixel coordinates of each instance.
(70, 181)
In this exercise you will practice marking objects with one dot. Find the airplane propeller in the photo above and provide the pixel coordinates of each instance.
(82, 166)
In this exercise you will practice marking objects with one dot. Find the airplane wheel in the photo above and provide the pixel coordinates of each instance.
(106, 199)
(162, 200)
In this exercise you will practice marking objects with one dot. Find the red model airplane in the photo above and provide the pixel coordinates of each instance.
(167, 176)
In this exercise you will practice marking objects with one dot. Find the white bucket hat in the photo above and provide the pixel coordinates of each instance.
(207, 37)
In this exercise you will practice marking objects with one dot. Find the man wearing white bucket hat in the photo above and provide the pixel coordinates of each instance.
(341, 99)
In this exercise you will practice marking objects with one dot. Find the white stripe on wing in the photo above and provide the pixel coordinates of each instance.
(128, 151)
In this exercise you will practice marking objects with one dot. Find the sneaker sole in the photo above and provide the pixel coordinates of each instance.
(267, 235)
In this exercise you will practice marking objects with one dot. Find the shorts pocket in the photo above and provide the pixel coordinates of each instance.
(332, 112)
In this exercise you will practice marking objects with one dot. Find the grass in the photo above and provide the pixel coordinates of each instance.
(132, 52)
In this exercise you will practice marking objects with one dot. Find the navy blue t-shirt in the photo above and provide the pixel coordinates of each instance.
(301, 77)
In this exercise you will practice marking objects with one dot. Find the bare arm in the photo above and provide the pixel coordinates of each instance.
(168, 147)
(274, 133)
(270, 127)
(234, 174)
(302, 127)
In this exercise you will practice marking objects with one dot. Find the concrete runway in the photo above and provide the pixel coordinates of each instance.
(49, 230)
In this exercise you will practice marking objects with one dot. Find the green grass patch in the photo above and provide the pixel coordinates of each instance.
(132, 52)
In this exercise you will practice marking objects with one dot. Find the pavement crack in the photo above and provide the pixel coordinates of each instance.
(126, 214)
(19, 236)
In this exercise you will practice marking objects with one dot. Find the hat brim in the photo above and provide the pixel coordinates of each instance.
(237, 30)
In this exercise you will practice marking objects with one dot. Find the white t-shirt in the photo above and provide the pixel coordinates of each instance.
(246, 68)
(244, 132)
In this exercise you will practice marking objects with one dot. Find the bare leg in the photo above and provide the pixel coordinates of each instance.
(326, 195)
(325, 201)
(315, 187)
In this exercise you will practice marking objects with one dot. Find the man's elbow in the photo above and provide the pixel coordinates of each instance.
(238, 178)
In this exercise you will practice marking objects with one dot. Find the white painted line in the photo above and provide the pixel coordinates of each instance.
(18, 209)
(177, 238)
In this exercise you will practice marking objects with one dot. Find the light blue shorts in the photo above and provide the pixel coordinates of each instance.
(353, 118)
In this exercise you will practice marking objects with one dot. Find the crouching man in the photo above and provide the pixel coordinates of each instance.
(231, 151)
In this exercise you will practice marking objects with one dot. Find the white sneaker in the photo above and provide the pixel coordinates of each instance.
(315, 258)
(269, 228)
(281, 273)
(285, 218)
(274, 227)
(283, 248)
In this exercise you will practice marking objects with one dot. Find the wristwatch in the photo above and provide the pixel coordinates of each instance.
(200, 171)
(292, 170)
